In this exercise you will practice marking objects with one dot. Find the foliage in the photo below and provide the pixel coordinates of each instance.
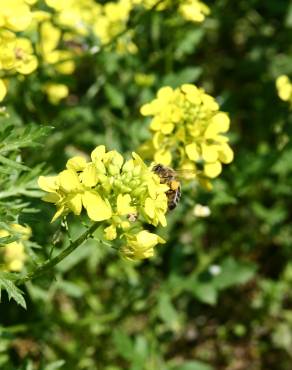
(217, 294)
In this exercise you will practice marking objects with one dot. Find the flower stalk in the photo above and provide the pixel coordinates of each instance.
(48, 265)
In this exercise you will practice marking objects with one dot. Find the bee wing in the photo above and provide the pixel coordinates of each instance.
(187, 173)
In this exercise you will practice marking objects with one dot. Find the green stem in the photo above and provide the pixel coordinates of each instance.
(47, 266)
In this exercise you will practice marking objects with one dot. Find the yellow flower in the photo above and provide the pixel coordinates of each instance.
(69, 194)
(13, 254)
(56, 92)
(141, 245)
(110, 232)
(122, 194)
(15, 15)
(16, 53)
(284, 88)
(187, 128)
(194, 10)
(26, 62)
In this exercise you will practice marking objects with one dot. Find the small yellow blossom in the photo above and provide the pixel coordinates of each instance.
(56, 92)
(141, 245)
(284, 88)
(25, 61)
(13, 254)
(194, 10)
(16, 53)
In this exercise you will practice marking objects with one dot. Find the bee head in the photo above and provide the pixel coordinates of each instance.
(158, 167)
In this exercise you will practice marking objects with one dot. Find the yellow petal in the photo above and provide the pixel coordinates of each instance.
(209, 102)
(74, 202)
(226, 153)
(146, 110)
(69, 181)
(222, 121)
(189, 89)
(76, 163)
(210, 152)
(212, 169)
(51, 198)
(162, 219)
(114, 158)
(48, 183)
(15, 265)
(285, 92)
(123, 204)
(156, 124)
(128, 166)
(98, 153)
(56, 92)
(163, 156)
(192, 151)
(165, 93)
(28, 66)
(157, 140)
(167, 128)
(282, 81)
(89, 176)
(147, 239)
(149, 207)
(97, 209)
(212, 131)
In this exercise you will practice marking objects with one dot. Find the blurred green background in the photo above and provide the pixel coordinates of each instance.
(218, 294)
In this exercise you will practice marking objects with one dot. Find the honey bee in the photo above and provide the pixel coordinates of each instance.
(168, 176)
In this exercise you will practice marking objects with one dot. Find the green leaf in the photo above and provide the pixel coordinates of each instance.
(167, 312)
(205, 292)
(12, 291)
(13, 164)
(123, 344)
(233, 273)
(115, 97)
(189, 43)
(55, 365)
(187, 75)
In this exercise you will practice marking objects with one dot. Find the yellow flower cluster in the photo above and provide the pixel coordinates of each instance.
(122, 194)
(62, 29)
(188, 131)
(86, 17)
(284, 88)
(16, 53)
(13, 254)
(191, 10)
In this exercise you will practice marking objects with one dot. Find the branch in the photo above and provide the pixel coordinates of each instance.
(47, 266)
